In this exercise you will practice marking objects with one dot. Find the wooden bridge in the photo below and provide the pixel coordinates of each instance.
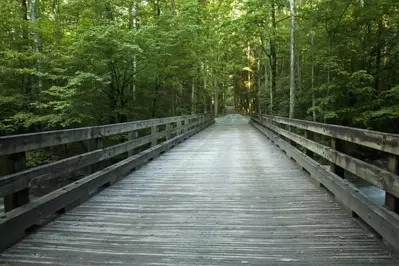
(188, 191)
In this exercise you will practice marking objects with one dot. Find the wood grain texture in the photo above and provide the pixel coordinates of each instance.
(373, 139)
(226, 196)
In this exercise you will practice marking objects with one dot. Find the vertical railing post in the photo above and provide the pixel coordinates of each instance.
(92, 145)
(10, 164)
(338, 145)
(178, 128)
(167, 129)
(310, 136)
(131, 136)
(154, 130)
(186, 125)
(391, 201)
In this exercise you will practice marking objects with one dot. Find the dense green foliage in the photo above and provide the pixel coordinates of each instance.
(69, 63)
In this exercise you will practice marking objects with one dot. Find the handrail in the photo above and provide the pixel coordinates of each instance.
(21, 213)
(337, 155)
(25, 142)
(15, 183)
(302, 145)
(381, 141)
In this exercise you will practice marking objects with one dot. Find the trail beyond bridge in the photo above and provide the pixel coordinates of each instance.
(225, 196)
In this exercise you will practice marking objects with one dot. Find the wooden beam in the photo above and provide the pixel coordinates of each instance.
(26, 142)
(14, 223)
(381, 141)
(20, 180)
(381, 220)
(392, 201)
(377, 176)
(10, 164)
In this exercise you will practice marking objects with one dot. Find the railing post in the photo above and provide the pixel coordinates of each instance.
(167, 129)
(186, 125)
(310, 136)
(92, 145)
(10, 164)
(131, 136)
(338, 145)
(154, 130)
(391, 201)
(178, 128)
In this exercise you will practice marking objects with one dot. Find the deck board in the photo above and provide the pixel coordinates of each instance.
(226, 196)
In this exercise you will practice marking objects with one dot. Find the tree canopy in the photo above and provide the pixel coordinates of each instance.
(69, 63)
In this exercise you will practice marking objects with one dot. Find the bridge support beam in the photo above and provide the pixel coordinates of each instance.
(391, 201)
(10, 164)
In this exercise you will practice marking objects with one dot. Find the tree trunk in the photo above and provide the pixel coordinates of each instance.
(313, 68)
(204, 88)
(273, 56)
(216, 97)
(193, 96)
(38, 44)
(292, 61)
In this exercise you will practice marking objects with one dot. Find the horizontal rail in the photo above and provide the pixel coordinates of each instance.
(382, 220)
(25, 142)
(14, 223)
(339, 156)
(20, 180)
(381, 141)
(381, 178)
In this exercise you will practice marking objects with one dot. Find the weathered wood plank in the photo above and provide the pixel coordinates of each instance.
(213, 200)
(391, 200)
(10, 164)
(384, 222)
(25, 142)
(21, 180)
(373, 174)
(15, 222)
(373, 139)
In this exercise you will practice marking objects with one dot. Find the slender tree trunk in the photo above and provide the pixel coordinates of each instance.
(205, 88)
(216, 97)
(273, 56)
(133, 12)
(193, 96)
(25, 88)
(267, 83)
(55, 11)
(313, 68)
(292, 61)
(38, 43)
(259, 76)
(173, 5)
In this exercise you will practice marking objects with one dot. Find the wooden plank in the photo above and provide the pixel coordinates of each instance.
(379, 177)
(132, 136)
(14, 224)
(20, 180)
(310, 136)
(214, 200)
(25, 142)
(10, 164)
(373, 139)
(392, 201)
(384, 222)
(338, 145)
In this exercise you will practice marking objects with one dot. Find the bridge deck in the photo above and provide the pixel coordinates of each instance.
(227, 196)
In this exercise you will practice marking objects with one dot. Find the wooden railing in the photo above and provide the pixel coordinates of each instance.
(305, 140)
(15, 181)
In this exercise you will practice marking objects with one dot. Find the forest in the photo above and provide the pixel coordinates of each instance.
(73, 63)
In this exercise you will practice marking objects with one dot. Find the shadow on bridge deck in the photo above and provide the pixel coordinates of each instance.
(226, 196)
